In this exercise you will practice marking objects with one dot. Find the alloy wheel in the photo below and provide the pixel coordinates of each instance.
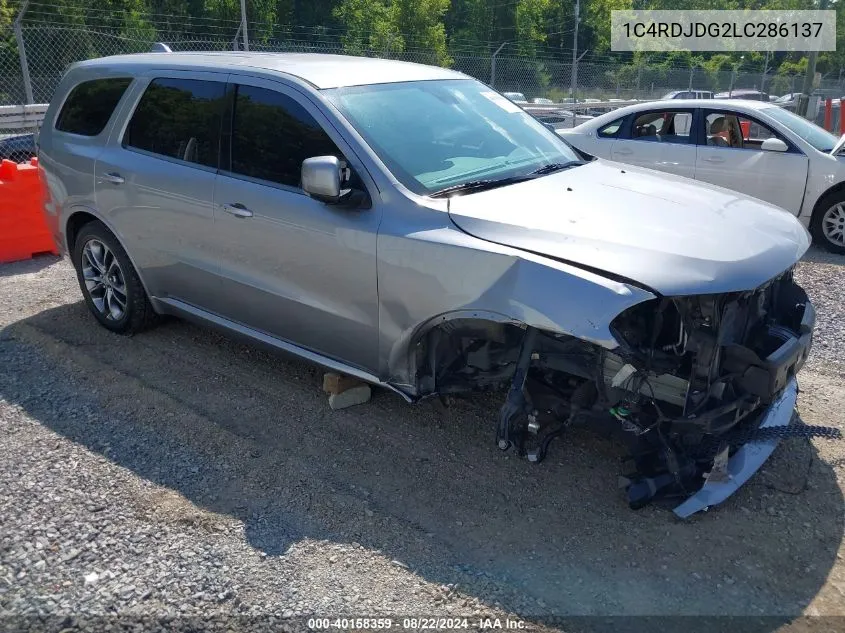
(833, 224)
(104, 280)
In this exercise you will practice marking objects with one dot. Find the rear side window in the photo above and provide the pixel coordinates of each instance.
(179, 118)
(89, 106)
(663, 127)
(272, 134)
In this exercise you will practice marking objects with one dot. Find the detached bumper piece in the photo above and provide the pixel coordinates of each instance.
(746, 461)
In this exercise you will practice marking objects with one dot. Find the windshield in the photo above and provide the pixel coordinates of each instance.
(437, 134)
(818, 137)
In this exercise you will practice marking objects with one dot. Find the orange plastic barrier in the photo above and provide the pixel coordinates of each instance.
(828, 114)
(841, 116)
(23, 229)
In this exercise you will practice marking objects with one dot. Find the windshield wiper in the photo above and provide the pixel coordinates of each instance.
(478, 185)
(553, 167)
(492, 183)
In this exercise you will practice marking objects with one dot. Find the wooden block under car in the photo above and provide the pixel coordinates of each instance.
(345, 391)
(338, 383)
(350, 397)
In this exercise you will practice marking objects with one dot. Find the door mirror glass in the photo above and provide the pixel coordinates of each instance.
(774, 145)
(321, 176)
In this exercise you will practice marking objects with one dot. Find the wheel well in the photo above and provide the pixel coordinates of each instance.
(466, 353)
(75, 224)
(471, 354)
(837, 188)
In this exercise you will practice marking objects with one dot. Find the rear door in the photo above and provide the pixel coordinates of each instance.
(155, 182)
(731, 156)
(71, 140)
(659, 139)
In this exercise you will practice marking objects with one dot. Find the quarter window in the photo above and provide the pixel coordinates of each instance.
(611, 130)
(89, 106)
(663, 127)
(179, 118)
(272, 134)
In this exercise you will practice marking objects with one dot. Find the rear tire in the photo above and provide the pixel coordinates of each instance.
(109, 282)
(828, 223)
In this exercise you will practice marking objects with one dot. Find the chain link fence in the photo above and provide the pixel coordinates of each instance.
(52, 41)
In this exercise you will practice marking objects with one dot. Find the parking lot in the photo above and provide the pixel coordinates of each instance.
(182, 473)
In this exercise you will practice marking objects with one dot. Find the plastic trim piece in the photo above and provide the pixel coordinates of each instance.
(747, 460)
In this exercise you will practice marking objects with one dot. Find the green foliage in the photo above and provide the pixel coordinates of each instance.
(435, 31)
(421, 22)
(370, 26)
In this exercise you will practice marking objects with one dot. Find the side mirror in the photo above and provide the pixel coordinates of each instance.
(321, 177)
(774, 145)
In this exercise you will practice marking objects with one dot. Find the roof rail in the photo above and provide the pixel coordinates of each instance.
(160, 47)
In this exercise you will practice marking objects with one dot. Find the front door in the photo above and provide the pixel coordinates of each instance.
(731, 156)
(292, 266)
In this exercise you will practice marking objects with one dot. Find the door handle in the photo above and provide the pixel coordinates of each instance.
(238, 210)
(714, 159)
(113, 177)
(624, 152)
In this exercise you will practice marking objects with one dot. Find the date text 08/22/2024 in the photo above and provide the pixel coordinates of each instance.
(415, 623)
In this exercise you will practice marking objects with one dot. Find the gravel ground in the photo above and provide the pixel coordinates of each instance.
(179, 475)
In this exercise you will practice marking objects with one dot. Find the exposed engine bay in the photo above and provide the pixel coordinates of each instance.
(689, 384)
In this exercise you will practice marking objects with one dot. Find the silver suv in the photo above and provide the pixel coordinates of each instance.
(412, 227)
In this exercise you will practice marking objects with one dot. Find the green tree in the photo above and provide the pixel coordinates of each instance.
(421, 22)
(371, 25)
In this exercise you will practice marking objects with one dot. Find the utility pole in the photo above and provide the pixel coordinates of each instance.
(243, 25)
(27, 82)
(807, 88)
(763, 76)
(734, 70)
(575, 50)
(493, 65)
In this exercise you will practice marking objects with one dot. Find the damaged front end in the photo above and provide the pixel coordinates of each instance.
(701, 387)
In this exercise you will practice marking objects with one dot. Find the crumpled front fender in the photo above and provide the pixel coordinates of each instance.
(430, 277)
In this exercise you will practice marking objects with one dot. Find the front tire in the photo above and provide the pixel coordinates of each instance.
(109, 282)
(828, 223)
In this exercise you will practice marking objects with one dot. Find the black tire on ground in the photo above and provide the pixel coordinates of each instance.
(816, 228)
(138, 314)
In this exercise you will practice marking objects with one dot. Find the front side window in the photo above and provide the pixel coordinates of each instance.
(89, 106)
(272, 134)
(179, 118)
(434, 135)
(663, 127)
(728, 129)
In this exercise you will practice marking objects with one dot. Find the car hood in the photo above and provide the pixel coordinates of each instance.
(670, 234)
